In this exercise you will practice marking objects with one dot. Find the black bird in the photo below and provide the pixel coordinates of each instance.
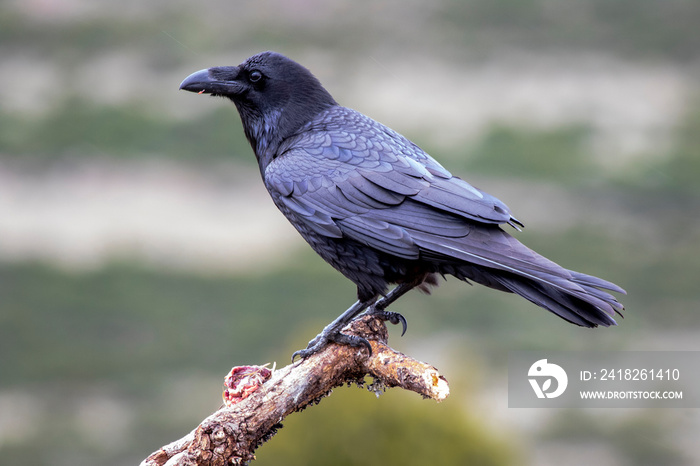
(378, 208)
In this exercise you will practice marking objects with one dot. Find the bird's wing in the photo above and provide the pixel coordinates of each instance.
(350, 176)
(374, 167)
(406, 162)
(336, 198)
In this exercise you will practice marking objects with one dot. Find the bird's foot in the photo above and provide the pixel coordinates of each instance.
(332, 332)
(323, 338)
(388, 316)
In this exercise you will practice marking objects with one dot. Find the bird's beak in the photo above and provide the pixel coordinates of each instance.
(215, 81)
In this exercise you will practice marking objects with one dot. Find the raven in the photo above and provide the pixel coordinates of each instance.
(378, 208)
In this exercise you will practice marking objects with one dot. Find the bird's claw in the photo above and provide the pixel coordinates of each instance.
(388, 316)
(322, 340)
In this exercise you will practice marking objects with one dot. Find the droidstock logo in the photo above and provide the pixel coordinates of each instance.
(541, 374)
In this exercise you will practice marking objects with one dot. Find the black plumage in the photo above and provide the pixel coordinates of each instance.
(378, 208)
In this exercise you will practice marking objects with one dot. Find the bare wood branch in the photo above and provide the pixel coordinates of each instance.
(231, 434)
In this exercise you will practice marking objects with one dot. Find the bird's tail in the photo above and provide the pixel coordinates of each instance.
(581, 300)
(497, 260)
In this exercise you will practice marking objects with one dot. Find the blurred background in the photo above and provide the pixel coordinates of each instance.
(141, 258)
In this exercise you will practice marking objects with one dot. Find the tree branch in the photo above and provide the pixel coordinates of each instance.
(231, 434)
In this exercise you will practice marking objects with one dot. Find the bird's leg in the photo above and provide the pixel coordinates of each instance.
(332, 332)
(379, 308)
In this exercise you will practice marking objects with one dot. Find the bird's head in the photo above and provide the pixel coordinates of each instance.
(274, 95)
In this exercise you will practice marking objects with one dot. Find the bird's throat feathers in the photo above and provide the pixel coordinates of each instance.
(267, 130)
(261, 130)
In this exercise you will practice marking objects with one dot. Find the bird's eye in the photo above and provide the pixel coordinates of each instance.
(255, 76)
